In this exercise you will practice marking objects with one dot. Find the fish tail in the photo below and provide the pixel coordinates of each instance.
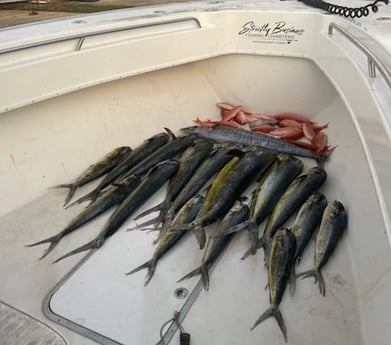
(144, 226)
(72, 191)
(53, 240)
(150, 210)
(203, 271)
(272, 312)
(324, 156)
(94, 244)
(150, 265)
(86, 197)
(318, 278)
(94, 195)
(65, 185)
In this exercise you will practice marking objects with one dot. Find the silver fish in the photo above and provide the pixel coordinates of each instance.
(244, 137)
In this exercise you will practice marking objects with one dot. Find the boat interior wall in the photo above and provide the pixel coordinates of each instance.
(113, 53)
(111, 113)
(147, 46)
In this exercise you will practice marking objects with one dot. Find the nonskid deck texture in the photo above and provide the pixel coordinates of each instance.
(21, 329)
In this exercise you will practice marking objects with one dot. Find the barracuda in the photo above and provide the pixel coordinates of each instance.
(241, 136)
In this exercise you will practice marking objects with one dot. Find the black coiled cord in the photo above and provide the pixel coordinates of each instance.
(347, 12)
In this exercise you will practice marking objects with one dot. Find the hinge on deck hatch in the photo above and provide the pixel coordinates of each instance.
(350, 12)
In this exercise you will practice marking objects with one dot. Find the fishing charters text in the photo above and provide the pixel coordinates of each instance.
(278, 29)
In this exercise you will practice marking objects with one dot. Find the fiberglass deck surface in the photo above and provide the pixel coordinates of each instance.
(99, 292)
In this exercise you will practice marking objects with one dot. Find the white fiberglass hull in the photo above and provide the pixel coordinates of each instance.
(164, 71)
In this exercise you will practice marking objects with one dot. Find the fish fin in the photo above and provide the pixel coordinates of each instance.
(200, 235)
(253, 249)
(53, 240)
(236, 228)
(272, 312)
(267, 248)
(318, 278)
(94, 244)
(253, 234)
(248, 252)
(170, 133)
(292, 280)
(205, 276)
(155, 208)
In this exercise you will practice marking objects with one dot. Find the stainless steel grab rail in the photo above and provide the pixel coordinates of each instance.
(378, 57)
(81, 37)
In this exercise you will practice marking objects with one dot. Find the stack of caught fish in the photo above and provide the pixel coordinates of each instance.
(209, 170)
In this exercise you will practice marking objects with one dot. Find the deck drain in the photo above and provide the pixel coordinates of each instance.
(181, 293)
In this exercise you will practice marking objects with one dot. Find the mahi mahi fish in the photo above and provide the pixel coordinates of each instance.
(333, 224)
(155, 179)
(307, 220)
(137, 155)
(171, 235)
(218, 242)
(112, 197)
(269, 189)
(297, 193)
(281, 258)
(103, 166)
(227, 187)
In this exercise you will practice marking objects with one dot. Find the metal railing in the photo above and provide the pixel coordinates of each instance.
(82, 36)
(379, 59)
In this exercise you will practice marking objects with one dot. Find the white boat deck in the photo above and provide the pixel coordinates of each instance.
(118, 91)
